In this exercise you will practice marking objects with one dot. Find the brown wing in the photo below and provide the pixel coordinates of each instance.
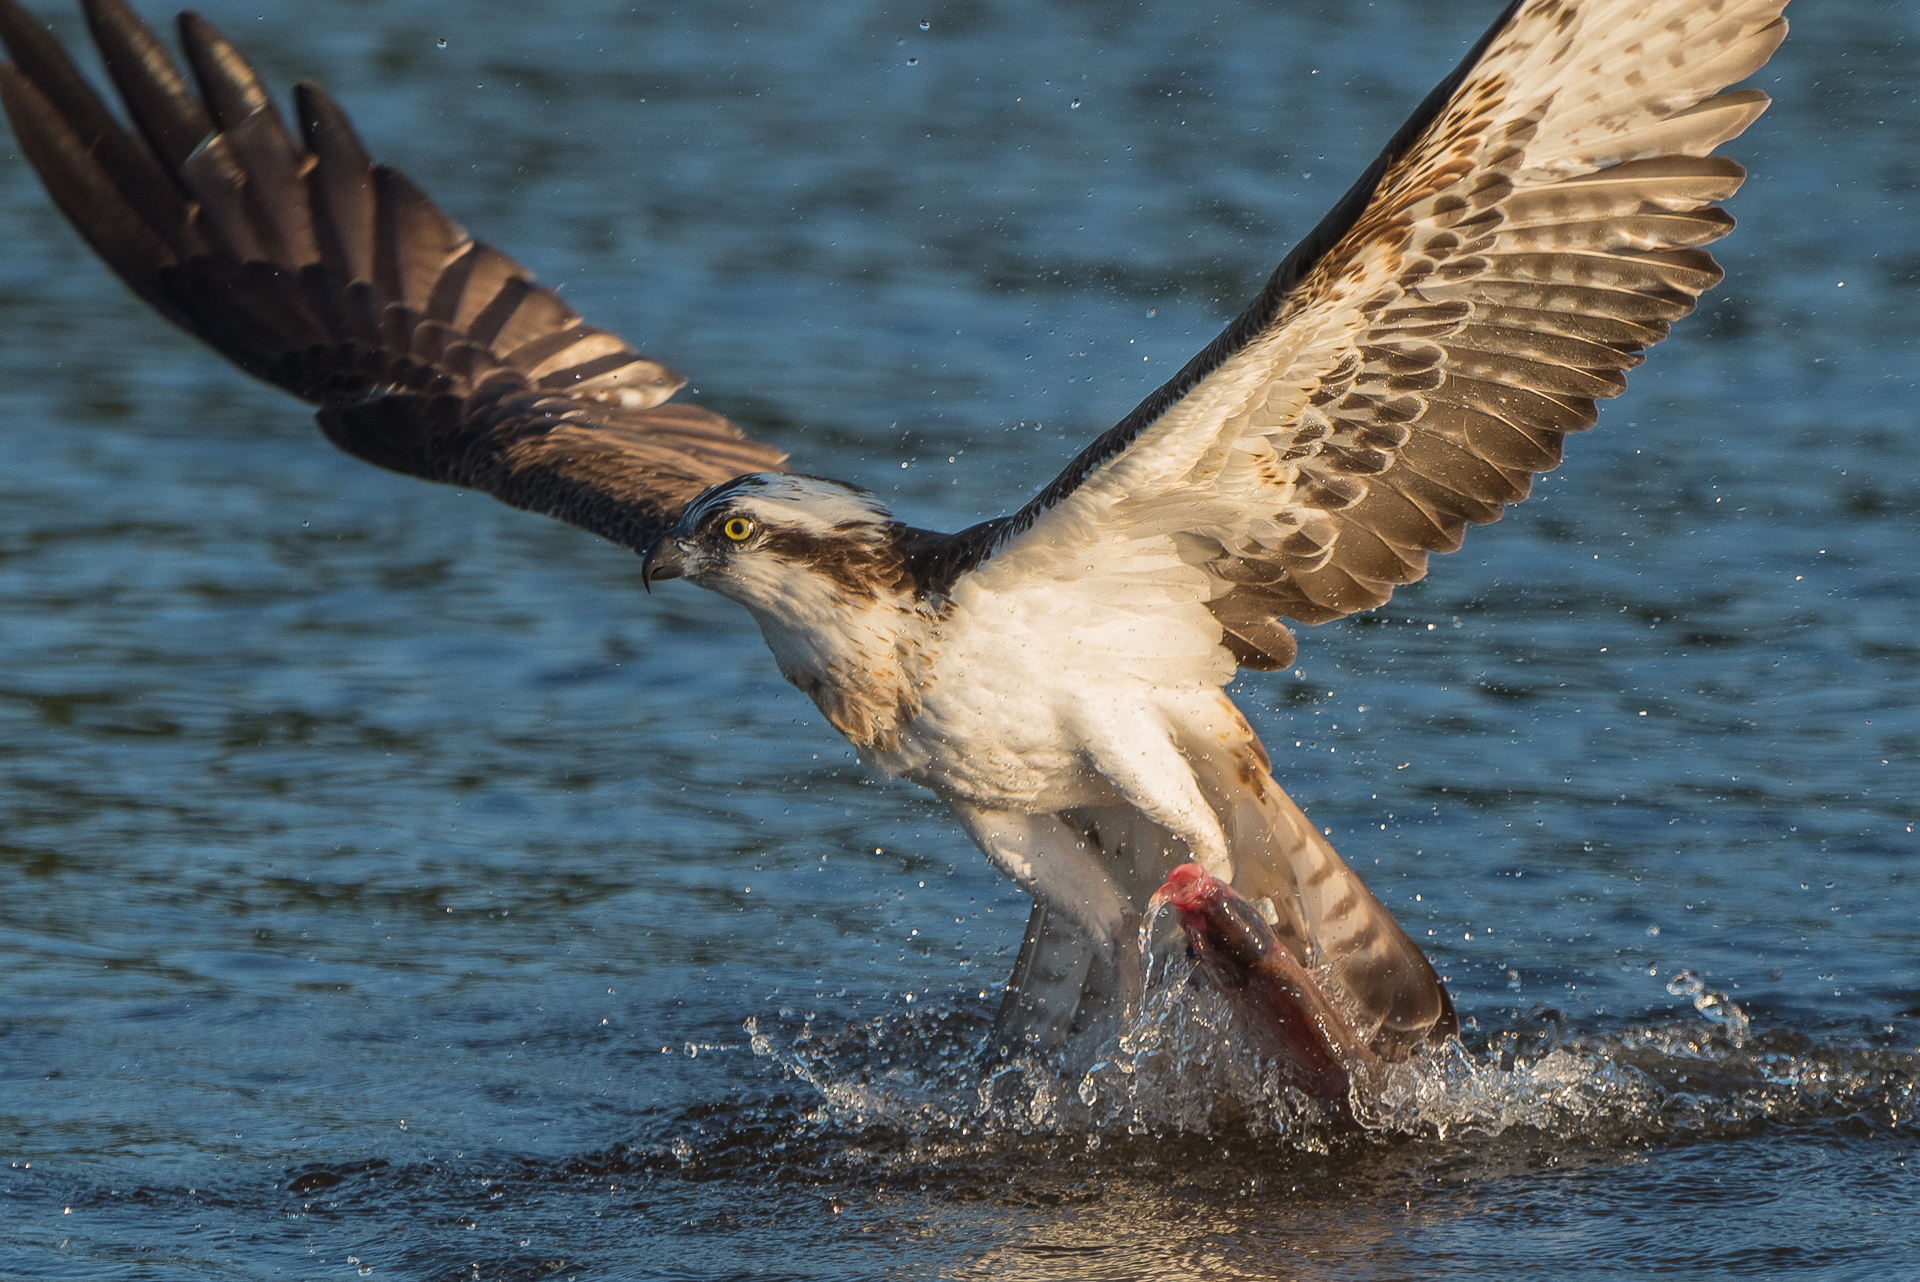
(313, 268)
(1409, 367)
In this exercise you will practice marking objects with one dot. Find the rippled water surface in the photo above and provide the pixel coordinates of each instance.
(387, 885)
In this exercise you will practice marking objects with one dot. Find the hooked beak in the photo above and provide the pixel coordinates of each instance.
(665, 559)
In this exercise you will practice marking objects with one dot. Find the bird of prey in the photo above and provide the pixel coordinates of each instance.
(1055, 676)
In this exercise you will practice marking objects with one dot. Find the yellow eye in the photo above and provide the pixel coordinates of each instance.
(738, 528)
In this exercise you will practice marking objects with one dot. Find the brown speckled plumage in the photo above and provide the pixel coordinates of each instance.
(1421, 355)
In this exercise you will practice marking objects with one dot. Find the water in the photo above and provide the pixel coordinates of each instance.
(387, 884)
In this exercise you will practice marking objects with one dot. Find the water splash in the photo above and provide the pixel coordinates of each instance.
(1178, 1071)
(1712, 1003)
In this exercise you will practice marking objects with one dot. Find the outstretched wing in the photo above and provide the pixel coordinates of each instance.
(1412, 364)
(311, 267)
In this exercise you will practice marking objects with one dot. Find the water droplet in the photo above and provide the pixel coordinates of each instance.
(925, 25)
(441, 43)
(913, 62)
(1074, 105)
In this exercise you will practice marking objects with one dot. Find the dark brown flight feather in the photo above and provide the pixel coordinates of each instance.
(311, 267)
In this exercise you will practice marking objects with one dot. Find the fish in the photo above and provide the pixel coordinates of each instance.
(1283, 1011)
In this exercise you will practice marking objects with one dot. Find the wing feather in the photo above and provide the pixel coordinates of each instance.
(312, 267)
(1536, 225)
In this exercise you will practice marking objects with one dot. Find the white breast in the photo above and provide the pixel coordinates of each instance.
(1029, 664)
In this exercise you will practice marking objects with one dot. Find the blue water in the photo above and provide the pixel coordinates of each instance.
(387, 884)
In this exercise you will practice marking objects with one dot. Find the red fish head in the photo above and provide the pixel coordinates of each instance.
(1190, 889)
(1222, 929)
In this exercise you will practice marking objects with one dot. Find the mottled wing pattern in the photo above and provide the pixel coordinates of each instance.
(313, 268)
(1534, 227)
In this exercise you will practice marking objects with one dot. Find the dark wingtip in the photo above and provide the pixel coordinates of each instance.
(229, 86)
(171, 119)
(325, 128)
(89, 196)
(17, 26)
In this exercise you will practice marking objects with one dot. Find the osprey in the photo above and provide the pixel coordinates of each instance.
(1055, 676)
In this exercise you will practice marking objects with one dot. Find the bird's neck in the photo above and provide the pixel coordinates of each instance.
(860, 659)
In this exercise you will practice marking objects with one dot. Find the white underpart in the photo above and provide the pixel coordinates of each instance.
(1065, 678)
(1126, 738)
(1074, 662)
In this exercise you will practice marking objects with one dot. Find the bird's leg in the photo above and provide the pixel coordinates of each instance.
(1066, 984)
(1079, 963)
(1133, 749)
(1053, 862)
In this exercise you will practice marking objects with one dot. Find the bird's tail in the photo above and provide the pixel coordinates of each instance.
(1336, 928)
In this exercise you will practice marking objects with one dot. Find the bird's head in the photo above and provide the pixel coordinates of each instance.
(777, 542)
